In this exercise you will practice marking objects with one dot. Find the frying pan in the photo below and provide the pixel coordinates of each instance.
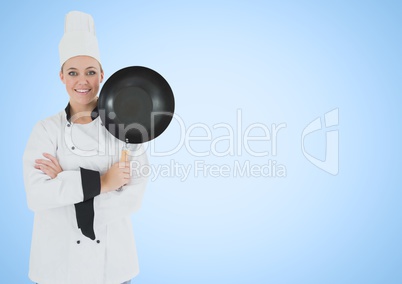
(136, 104)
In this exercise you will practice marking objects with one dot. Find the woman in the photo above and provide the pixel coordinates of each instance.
(82, 196)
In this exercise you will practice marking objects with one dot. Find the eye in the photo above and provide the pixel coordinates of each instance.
(72, 73)
(91, 73)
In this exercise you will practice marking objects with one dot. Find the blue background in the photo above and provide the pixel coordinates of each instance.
(275, 61)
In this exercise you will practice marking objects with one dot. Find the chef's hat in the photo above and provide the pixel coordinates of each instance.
(79, 37)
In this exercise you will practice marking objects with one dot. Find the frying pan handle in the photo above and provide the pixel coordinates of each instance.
(124, 155)
(125, 152)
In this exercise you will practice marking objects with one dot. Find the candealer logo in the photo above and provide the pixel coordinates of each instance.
(203, 140)
(239, 150)
(331, 162)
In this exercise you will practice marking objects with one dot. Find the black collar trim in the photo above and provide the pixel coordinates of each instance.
(94, 113)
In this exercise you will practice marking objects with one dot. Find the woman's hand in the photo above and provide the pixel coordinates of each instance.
(51, 167)
(117, 176)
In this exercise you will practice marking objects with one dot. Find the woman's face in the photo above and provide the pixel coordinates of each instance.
(82, 76)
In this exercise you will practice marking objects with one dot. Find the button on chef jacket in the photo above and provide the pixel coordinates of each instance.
(79, 235)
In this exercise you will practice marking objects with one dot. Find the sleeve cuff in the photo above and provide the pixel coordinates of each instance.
(91, 185)
(84, 210)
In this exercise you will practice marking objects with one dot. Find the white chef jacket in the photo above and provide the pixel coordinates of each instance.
(60, 252)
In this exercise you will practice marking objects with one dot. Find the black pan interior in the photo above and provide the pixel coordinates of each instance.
(136, 104)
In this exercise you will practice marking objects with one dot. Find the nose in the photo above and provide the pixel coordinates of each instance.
(82, 79)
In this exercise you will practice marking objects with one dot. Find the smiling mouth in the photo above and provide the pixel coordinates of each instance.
(82, 91)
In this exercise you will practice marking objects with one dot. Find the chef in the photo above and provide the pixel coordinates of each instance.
(82, 196)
